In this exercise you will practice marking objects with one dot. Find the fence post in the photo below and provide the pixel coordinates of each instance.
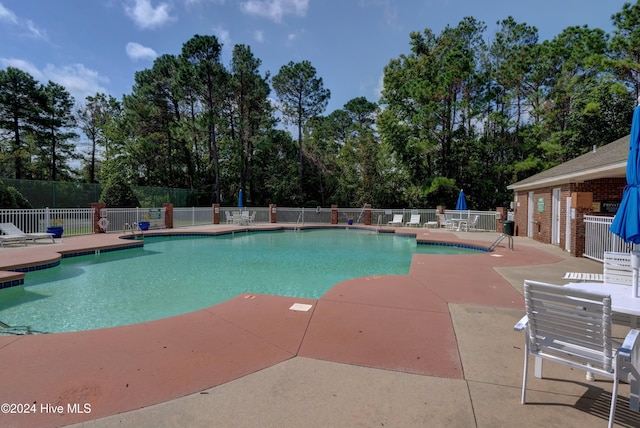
(501, 216)
(168, 215)
(334, 214)
(273, 216)
(97, 206)
(581, 205)
(367, 214)
(216, 213)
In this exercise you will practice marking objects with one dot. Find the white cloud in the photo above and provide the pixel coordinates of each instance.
(291, 37)
(223, 35)
(258, 36)
(22, 65)
(190, 2)
(136, 51)
(79, 80)
(146, 16)
(7, 15)
(275, 9)
(32, 30)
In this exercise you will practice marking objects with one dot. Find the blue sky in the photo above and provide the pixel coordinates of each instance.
(94, 46)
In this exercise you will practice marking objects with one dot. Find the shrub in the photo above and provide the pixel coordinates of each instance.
(118, 194)
(11, 198)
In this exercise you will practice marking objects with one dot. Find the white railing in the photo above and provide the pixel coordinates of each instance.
(78, 221)
(598, 238)
(75, 221)
(124, 218)
(193, 216)
(486, 219)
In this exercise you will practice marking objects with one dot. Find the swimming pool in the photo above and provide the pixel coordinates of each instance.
(175, 275)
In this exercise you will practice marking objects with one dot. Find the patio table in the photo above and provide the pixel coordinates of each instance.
(621, 300)
(456, 223)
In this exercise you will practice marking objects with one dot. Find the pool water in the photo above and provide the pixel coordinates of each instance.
(176, 275)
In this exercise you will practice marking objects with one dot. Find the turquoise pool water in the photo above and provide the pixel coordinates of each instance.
(176, 275)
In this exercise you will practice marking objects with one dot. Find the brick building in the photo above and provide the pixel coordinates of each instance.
(549, 207)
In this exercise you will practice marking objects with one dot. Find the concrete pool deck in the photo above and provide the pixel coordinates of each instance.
(435, 347)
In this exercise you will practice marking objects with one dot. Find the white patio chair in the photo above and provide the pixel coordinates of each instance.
(397, 220)
(244, 218)
(573, 328)
(442, 220)
(469, 224)
(617, 268)
(228, 217)
(413, 221)
(236, 217)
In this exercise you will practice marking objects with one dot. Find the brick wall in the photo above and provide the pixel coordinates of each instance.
(606, 189)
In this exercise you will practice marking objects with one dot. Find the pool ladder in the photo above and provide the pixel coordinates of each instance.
(296, 228)
(133, 227)
(499, 239)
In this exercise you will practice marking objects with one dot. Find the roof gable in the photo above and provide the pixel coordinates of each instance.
(607, 161)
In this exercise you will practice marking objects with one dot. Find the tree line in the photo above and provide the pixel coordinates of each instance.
(461, 109)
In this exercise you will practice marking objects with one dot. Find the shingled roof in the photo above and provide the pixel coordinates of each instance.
(606, 161)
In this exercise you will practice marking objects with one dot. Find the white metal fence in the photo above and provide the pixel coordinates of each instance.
(75, 221)
(598, 238)
(192, 216)
(78, 221)
(124, 218)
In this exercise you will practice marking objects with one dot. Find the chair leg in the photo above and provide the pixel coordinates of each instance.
(524, 373)
(538, 368)
(631, 376)
(614, 397)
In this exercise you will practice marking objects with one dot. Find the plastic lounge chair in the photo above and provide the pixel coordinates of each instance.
(12, 229)
(414, 220)
(397, 220)
(4, 238)
(573, 327)
(228, 217)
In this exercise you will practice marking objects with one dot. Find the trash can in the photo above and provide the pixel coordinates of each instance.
(508, 227)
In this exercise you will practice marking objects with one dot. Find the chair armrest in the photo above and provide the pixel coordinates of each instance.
(522, 324)
(629, 344)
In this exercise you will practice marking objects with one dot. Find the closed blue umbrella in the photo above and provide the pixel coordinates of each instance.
(626, 223)
(461, 205)
(240, 204)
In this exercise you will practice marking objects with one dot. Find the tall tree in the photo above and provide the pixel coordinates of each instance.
(20, 101)
(93, 118)
(55, 133)
(302, 96)
(625, 46)
(250, 110)
(155, 108)
(204, 71)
